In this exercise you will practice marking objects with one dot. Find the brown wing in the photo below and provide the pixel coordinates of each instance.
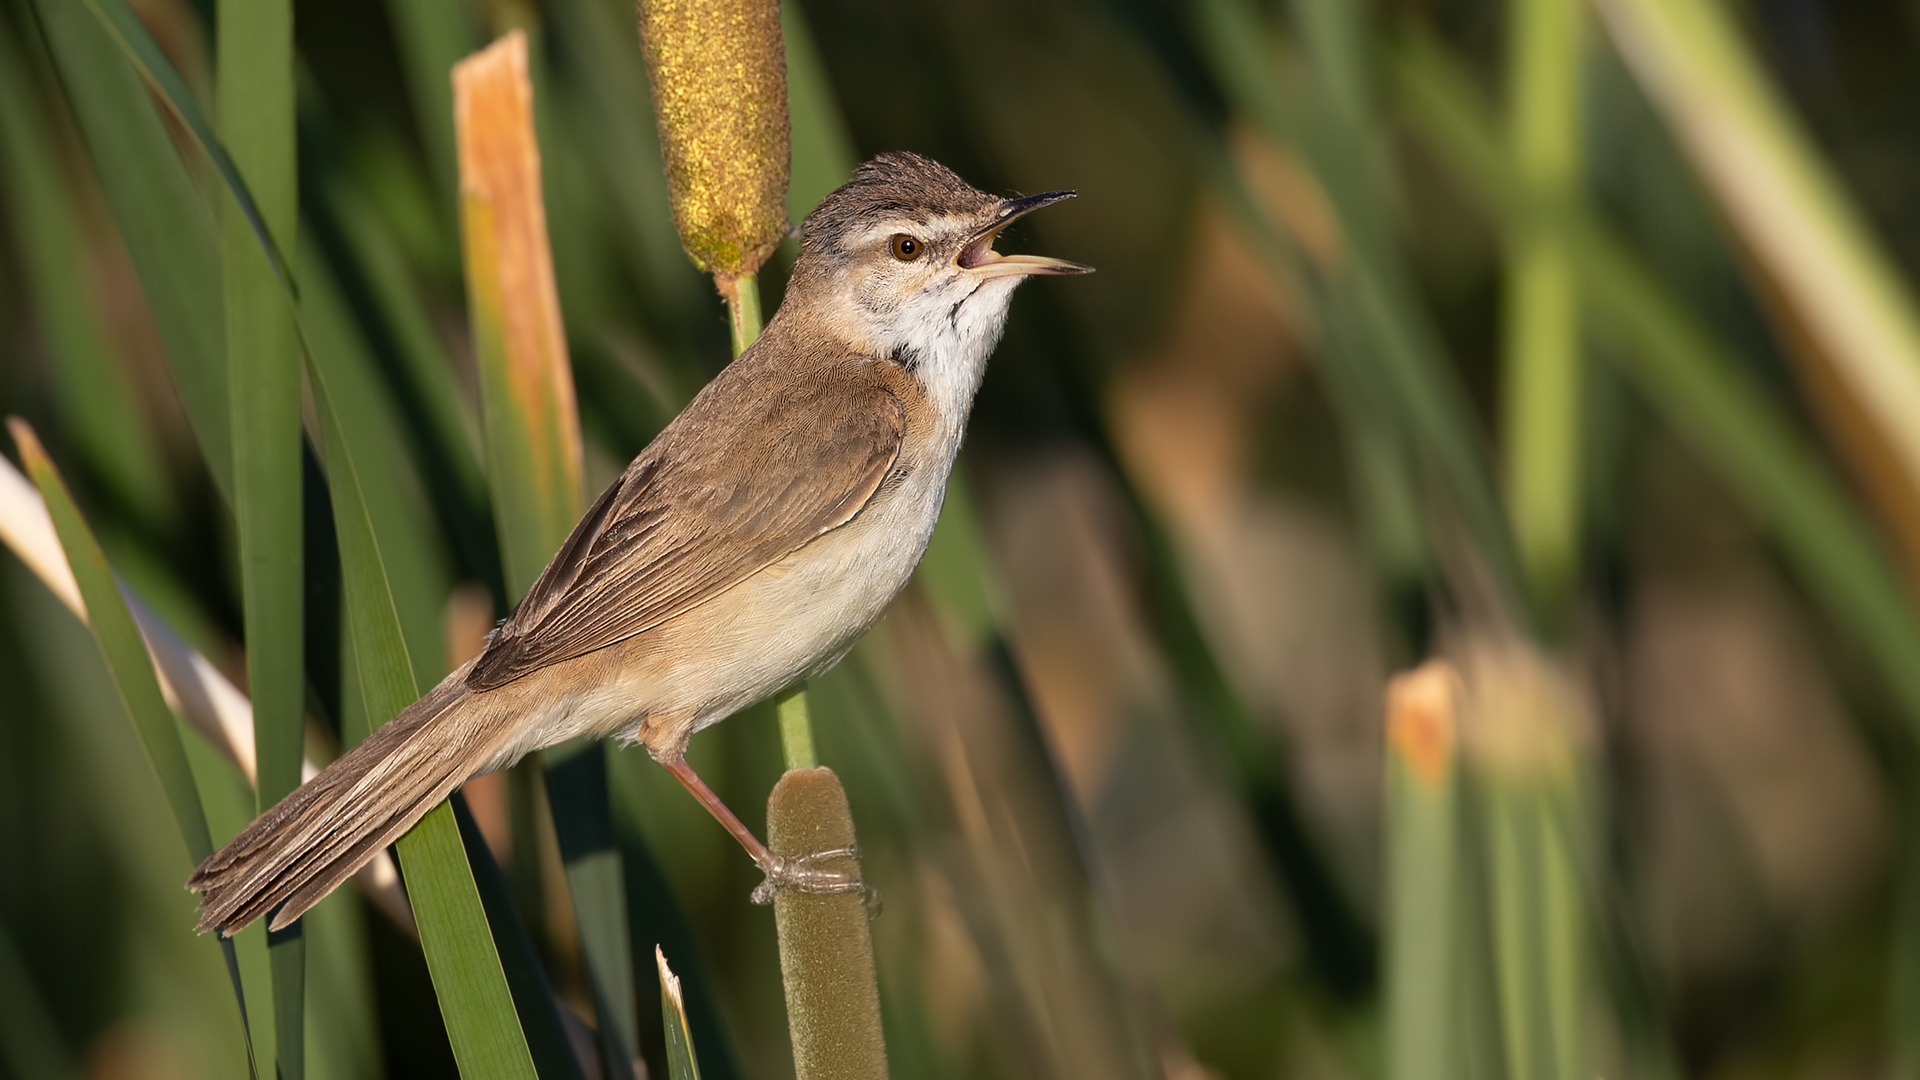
(699, 511)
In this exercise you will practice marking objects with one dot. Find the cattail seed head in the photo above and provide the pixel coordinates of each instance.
(719, 76)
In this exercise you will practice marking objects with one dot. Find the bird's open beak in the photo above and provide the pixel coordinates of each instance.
(979, 258)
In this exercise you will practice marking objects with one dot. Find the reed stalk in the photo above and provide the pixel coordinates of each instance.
(1423, 919)
(1540, 410)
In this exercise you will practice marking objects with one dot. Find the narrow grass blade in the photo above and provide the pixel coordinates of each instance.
(97, 407)
(416, 572)
(1423, 858)
(188, 680)
(532, 993)
(1540, 384)
(131, 35)
(474, 999)
(168, 231)
(656, 919)
(534, 464)
(255, 88)
(119, 641)
(681, 1063)
(128, 664)
(1692, 380)
(1841, 289)
(441, 431)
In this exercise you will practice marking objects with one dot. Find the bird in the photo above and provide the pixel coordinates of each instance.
(746, 548)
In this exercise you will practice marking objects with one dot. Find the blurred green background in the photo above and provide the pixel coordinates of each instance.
(1570, 343)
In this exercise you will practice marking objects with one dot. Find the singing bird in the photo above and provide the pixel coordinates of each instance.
(747, 547)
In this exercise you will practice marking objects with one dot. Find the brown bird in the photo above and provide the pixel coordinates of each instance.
(747, 547)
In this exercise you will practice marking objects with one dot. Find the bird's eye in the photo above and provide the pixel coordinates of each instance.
(906, 248)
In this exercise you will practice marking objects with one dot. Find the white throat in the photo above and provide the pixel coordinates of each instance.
(945, 335)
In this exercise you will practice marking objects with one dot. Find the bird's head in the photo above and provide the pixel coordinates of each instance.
(899, 262)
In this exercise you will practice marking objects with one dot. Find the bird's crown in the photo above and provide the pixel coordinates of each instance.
(896, 185)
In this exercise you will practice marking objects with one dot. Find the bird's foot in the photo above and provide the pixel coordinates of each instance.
(808, 874)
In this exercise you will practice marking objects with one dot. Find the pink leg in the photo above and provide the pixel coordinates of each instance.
(803, 873)
(698, 789)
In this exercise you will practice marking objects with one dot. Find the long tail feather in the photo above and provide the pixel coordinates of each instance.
(317, 836)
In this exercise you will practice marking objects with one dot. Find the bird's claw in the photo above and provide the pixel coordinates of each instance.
(805, 874)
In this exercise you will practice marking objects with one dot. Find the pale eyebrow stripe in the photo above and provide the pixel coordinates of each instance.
(932, 228)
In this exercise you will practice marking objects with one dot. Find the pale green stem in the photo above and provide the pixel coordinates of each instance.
(796, 725)
(743, 310)
(796, 728)
(1541, 416)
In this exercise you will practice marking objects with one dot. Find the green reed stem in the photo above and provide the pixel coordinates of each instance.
(796, 728)
(1541, 387)
(743, 310)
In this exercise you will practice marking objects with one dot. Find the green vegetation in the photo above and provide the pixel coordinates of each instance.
(1439, 604)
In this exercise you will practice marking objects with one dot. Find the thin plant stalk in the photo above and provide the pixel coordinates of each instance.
(1422, 950)
(743, 310)
(796, 729)
(1540, 411)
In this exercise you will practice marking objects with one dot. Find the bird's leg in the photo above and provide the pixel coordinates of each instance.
(729, 821)
(801, 873)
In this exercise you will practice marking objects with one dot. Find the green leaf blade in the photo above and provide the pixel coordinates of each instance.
(255, 92)
(97, 405)
(125, 653)
(681, 1063)
(167, 230)
(475, 1001)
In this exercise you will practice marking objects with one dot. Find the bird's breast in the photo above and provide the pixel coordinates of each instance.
(798, 615)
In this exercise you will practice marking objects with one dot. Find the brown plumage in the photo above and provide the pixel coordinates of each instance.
(748, 546)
